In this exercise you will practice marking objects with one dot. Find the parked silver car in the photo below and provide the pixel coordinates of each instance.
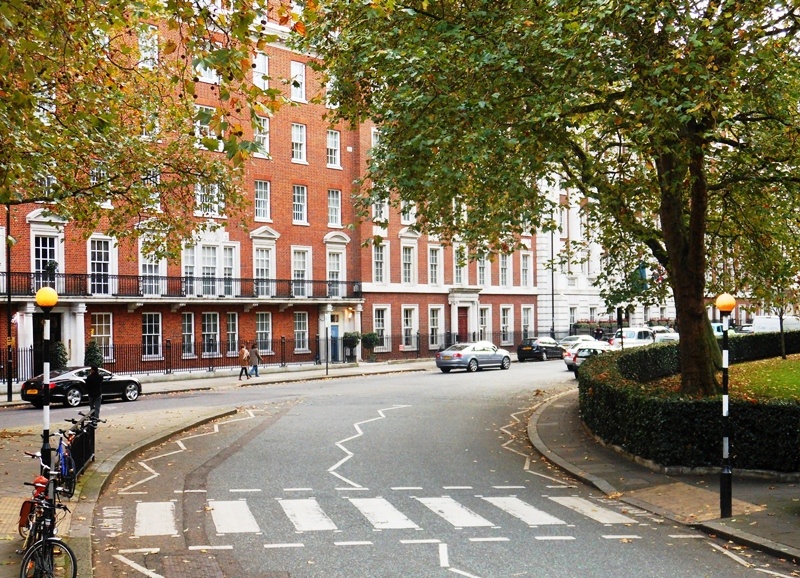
(587, 350)
(472, 357)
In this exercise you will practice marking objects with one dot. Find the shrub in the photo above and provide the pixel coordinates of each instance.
(370, 340)
(58, 355)
(351, 339)
(93, 354)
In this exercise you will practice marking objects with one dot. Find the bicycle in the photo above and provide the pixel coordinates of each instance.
(45, 554)
(64, 464)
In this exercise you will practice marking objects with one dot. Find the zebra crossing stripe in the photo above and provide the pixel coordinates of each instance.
(382, 514)
(233, 517)
(307, 515)
(155, 519)
(524, 511)
(593, 511)
(458, 515)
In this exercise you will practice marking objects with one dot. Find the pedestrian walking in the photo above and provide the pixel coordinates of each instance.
(255, 359)
(244, 362)
(94, 389)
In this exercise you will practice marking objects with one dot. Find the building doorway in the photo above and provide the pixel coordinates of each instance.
(38, 339)
(335, 338)
(463, 324)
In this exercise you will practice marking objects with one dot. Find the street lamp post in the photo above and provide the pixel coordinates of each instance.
(46, 299)
(725, 303)
(552, 287)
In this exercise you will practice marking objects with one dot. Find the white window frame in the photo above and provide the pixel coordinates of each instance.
(338, 277)
(460, 272)
(105, 338)
(210, 277)
(302, 282)
(335, 208)
(262, 200)
(408, 213)
(435, 330)
(385, 331)
(484, 322)
(526, 269)
(261, 136)
(208, 202)
(204, 130)
(210, 328)
(380, 268)
(299, 140)
(300, 324)
(506, 272)
(435, 266)
(408, 264)
(232, 334)
(264, 286)
(156, 271)
(506, 324)
(206, 75)
(152, 351)
(333, 149)
(188, 338)
(299, 205)
(113, 258)
(261, 71)
(526, 321)
(409, 317)
(264, 332)
(298, 81)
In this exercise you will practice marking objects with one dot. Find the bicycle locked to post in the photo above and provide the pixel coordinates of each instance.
(44, 554)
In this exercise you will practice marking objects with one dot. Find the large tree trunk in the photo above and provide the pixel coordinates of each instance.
(684, 240)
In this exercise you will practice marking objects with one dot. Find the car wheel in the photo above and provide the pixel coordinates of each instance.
(131, 392)
(472, 366)
(506, 363)
(544, 356)
(73, 397)
(445, 369)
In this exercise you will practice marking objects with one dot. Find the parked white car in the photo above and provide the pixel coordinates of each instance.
(633, 337)
(586, 350)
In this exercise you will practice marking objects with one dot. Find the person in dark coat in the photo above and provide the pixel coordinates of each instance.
(94, 389)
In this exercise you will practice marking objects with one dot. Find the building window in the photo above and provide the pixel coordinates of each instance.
(151, 335)
(202, 126)
(301, 331)
(45, 262)
(459, 267)
(232, 334)
(573, 314)
(217, 266)
(593, 313)
(380, 325)
(206, 74)
(102, 334)
(148, 47)
(408, 265)
(379, 263)
(208, 201)
(482, 268)
(299, 205)
(646, 313)
(380, 211)
(662, 312)
(333, 149)
(261, 136)
(152, 280)
(409, 328)
(505, 274)
(527, 322)
(208, 269)
(434, 265)
(335, 259)
(300, 272)
(298, 143)
(100, 266)
(262, 200)
(483, 323)
(261, 71)
(262, 271)
(188, 269)
(151, 179)
(525, 270)
(334, 208)
(407, 213)
(264, 332)
(506, 323)
(298, 72)
(435, 327)
(228, 269)
(187, 335)
(210, 329)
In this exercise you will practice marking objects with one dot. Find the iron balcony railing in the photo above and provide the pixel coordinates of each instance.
(105, 285)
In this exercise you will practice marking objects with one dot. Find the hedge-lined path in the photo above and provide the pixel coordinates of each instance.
(766, 512)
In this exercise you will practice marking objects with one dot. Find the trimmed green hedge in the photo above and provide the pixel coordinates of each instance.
(676, 431)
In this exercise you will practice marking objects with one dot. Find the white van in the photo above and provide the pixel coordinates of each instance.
(767, 323)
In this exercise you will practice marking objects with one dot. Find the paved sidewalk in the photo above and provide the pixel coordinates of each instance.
(766, 512)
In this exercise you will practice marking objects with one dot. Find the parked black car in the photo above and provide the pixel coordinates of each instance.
(68, 386)
(541, 348)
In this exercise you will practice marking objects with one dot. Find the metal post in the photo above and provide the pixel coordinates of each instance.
(726, 476)
(9, 337)
(46, 391)
(552, 286)
(327, 342)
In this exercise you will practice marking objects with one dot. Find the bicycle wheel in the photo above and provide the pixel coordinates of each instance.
(50, 558)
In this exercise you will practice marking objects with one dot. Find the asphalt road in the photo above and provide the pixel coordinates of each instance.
(423, 475)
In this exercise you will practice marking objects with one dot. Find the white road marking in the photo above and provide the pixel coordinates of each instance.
(155, 519)
(462, 573)
(364, 543)
(233, 517)
(358, 489)
(593, 511)
(524, 511)
(687, 536)
(731, 555)
(444, 559)
(141, 551)
(497, 539)
(406, 488)
(191, 491)
(223, 547)
(135, 566)
(132, 493)
(245, 490)
(554, 537)
(288, 545)
(428, 541)
(382, 514)
(307, 515)
(621, 537)
(456, 487)
(771, 573)
(458, 515)
(509, 487)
